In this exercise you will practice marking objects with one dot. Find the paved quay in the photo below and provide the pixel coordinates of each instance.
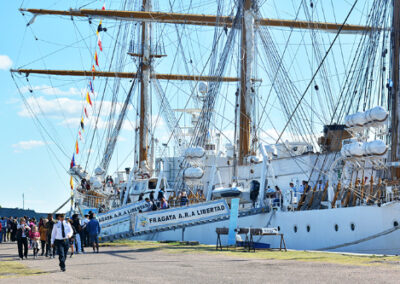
(125, 264)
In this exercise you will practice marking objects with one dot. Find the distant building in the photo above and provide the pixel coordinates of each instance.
(18, 212)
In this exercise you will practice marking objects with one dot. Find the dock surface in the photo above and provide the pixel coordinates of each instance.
(168, 263)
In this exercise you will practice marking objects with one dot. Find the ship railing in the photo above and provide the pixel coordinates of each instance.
(89, 200)
(177, 203)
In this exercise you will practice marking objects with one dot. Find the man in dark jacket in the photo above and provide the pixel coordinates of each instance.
(93, 229)
(22, 238)
(76, 223)
(49, 225)
(14, 229)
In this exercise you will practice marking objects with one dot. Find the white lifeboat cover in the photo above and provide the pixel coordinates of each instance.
(195, 152)
(348, 120)
(99, 171)
(377, 113)
(356, 149)
(95, 183)
(359, 119)
(376, 147)
(193, 173)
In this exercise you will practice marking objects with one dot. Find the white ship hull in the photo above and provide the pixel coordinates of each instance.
(375, 229)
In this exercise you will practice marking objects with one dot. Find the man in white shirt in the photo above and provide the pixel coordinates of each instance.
(62, 231)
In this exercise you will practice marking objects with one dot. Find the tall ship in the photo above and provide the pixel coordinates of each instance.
(292, 108)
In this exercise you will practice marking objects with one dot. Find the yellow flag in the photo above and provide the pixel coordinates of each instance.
(71, 183)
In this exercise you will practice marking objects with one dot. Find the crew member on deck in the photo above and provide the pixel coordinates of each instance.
(62, 231)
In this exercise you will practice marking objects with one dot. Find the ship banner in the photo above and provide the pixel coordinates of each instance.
(122, 212)
(178, 216)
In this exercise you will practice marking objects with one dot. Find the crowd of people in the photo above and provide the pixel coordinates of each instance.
(48, 237)
(161, 202)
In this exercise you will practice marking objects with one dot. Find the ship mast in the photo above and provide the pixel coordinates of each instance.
(394, 93)
(246, 89)
(145, 69)
(146, 17)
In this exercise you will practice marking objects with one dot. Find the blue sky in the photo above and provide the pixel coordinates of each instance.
(32, 163)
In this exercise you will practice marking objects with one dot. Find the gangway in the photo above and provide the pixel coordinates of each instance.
(130, 233)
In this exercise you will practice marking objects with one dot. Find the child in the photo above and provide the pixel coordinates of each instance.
(34, 235)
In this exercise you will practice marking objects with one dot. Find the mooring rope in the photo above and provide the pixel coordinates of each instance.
(386, 232)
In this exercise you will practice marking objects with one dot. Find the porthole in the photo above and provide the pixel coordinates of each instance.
(279, 228)
(352, 226)
(308, 228)
(295, 229)
(395, 224)
(336, 227)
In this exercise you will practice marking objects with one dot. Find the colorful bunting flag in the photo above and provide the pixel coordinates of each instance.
(88, 99)
(91, 87)
(96, 59)
(73, 161)
(99, 42)
(93, 70)
(71, 183)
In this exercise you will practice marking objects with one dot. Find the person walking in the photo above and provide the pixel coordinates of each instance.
(8, 236)
(94, 229)
(34, 236)
(77, 225)
(49, 226)
(3, 229)
(14, 227)
(60, 234)
(22, 238)
(43, 237)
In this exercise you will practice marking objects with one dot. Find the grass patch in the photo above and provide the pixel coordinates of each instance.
(10, 269)
(291, 255)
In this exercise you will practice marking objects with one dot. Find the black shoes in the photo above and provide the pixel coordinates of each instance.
(63, 269)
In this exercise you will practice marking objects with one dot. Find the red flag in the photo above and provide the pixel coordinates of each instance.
(93, 70)
(87, 116)
(96, 59)
(104, 6)
(99, 42)
(80, 135)
(88, 99)
(77, 147)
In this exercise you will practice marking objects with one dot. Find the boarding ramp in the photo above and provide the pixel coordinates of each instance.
(131, 226)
